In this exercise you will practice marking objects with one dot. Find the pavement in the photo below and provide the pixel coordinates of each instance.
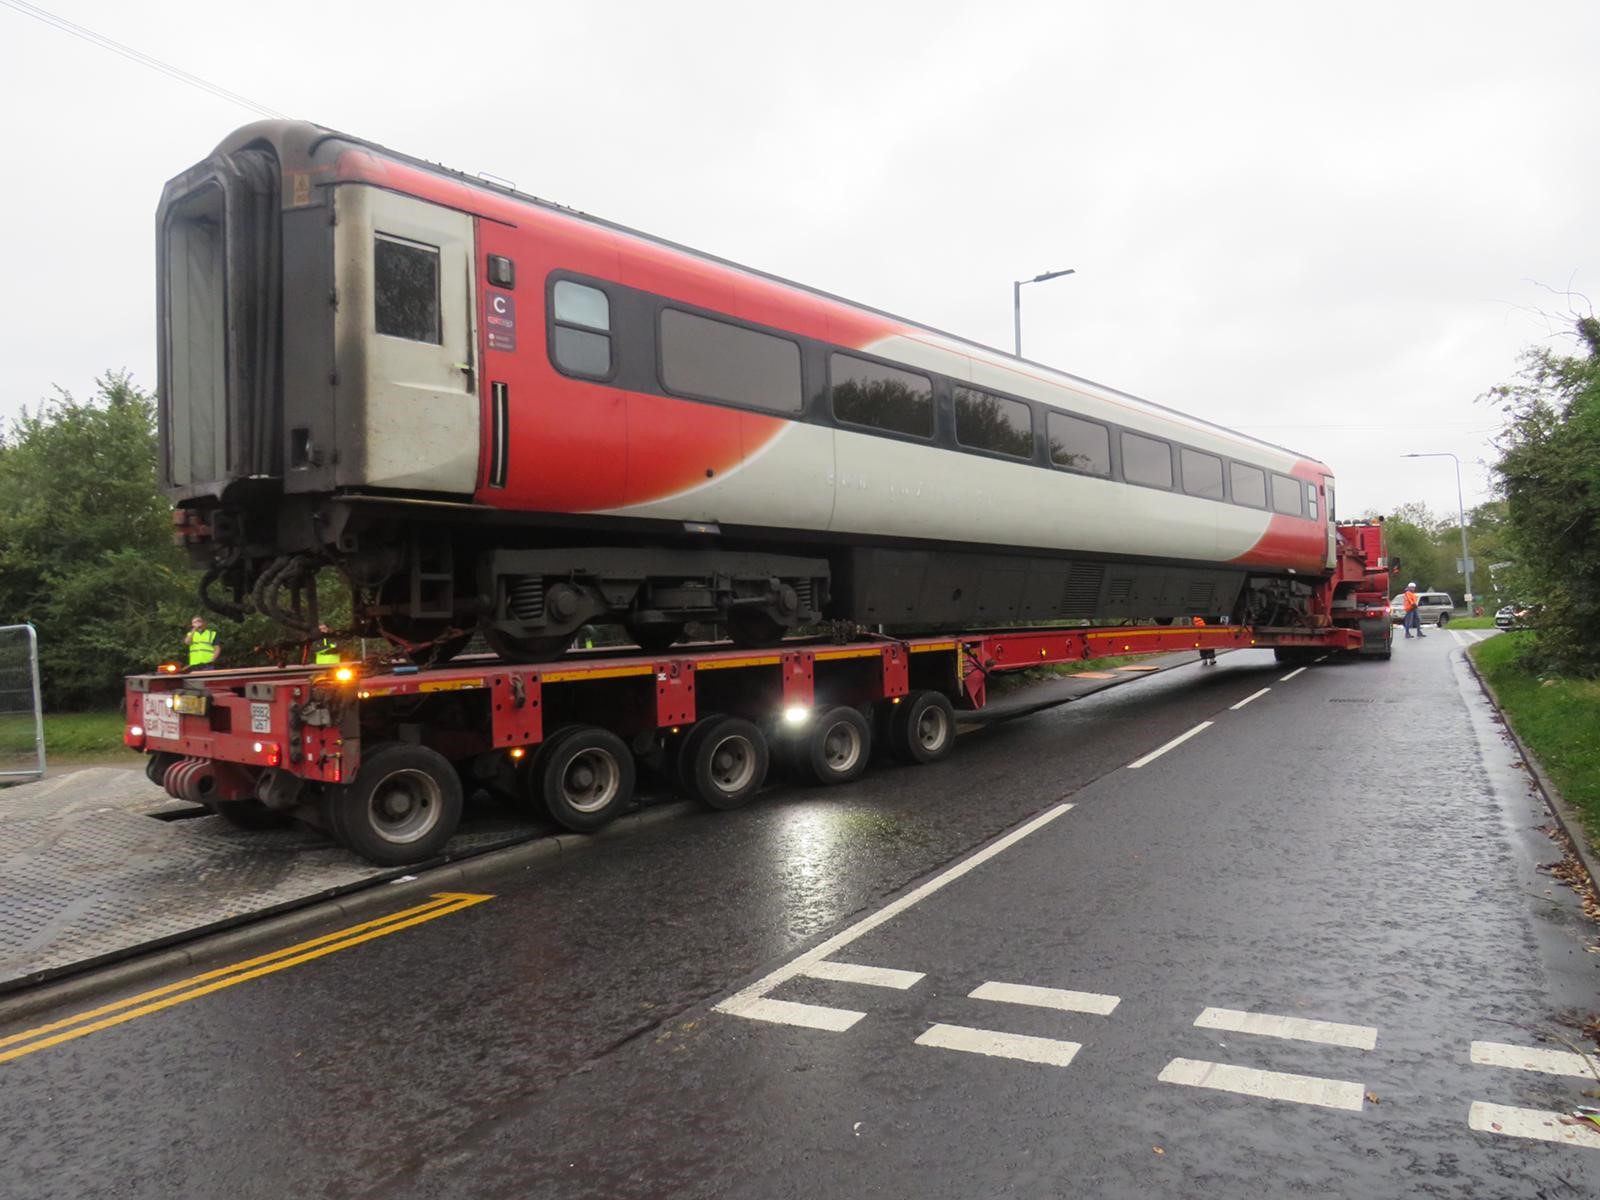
(98, 865)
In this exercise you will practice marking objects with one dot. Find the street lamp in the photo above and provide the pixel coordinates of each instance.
(1016, 299)
(1461, 513)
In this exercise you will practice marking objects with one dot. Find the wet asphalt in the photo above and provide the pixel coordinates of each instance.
(1354, 846)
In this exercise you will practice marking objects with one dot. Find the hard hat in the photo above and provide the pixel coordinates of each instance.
(1411, 587)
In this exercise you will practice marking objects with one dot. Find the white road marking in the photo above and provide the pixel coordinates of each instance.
(1477, 635)
(739, 1003)
(1046, 997)
(884, 977)
(1531, 1058)
(1300, 1029)
(1048, 1051)
(1160, 750)
(1460, 641)
(1324, 658)
(788, 1012)
(1530, 1123)
(1268, 1085)
(1291, 675)
(1247, 699)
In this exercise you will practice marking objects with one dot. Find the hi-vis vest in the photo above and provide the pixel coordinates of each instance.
(327, 651)
(202, 647)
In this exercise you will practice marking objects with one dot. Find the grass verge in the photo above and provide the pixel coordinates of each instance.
(1471, 623)
(70, 737)
(1555, 718)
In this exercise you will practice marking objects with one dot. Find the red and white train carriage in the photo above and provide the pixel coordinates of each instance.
(493, 413)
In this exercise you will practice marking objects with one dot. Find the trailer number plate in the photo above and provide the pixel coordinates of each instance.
(159, 720)
(189, 703)
(261, 718)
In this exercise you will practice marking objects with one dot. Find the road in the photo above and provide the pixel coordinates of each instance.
(1262, 961)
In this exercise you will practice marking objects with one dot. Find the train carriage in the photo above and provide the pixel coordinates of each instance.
(492, 413)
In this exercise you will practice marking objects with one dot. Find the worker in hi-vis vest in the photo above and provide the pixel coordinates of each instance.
(202, 643)
(327, 648)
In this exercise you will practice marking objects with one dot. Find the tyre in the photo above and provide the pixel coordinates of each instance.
(835, 747)
(586, 777)
(1444, 619)
(251, 815)
(724, 762)
(158, 764)
(402, 807)
(922, 727)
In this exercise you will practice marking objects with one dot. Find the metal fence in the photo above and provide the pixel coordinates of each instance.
(21, 714)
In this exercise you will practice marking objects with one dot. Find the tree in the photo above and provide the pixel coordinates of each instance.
(86, 552)
(1549, 473)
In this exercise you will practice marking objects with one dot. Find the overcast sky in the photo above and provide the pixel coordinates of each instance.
(1330, 226)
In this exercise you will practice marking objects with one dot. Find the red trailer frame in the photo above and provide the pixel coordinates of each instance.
(374, 752)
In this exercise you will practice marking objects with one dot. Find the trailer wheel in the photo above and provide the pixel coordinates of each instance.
(157, 765)
(834, 747)
(402, 807)
(251, 815)
(586, 776)
(724, 762)
(922, 727)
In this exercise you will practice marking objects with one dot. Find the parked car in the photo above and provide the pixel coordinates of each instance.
(1513, 616)
(1433, 608)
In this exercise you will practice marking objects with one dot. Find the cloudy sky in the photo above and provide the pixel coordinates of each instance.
(1330, 226)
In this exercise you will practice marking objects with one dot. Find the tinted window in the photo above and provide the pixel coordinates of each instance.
(1286, 495)
(866, 393)
(1146, 460)
(1202, 474)
(406, 290)
(582, 341)
(702, 357)
(1249, 485)
(988, 422)
(1079, 444)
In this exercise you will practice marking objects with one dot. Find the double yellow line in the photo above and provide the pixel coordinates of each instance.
(30, 1041)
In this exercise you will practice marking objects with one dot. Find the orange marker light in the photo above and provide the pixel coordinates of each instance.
(344, 674)
(518, 751)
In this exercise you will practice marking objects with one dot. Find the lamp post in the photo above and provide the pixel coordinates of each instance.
(1016, 300)
(1461, 516)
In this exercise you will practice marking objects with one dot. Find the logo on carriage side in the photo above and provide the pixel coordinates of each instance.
(502, 321)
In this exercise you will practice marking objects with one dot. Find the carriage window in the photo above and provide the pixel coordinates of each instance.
(987, 422)
(1286, 495)
(702, 357)
(866, 393)
(406, 290)
(1202, 474)
(1311, 501)
(1249, 485)
(1146, 460)
(582, 341)
(1079, 444)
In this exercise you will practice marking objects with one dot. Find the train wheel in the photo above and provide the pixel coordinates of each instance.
(586, 776)
(835, 747)
(754, 629)
(526, 649)
(724, 762)
(402, 807)
(922, 727)
(654, 638)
